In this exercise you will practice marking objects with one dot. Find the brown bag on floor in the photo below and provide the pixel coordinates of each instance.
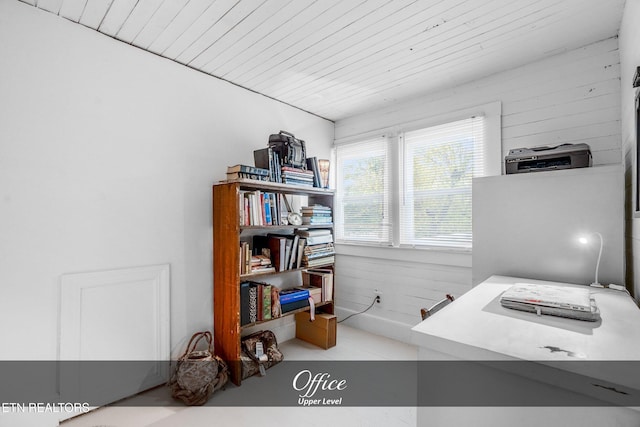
(251, 362)
(198, 373)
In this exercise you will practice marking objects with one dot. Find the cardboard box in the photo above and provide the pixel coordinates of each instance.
(320, 332)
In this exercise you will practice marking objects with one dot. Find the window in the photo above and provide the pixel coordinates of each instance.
(437, 167)
(362, 197)
(412, 187)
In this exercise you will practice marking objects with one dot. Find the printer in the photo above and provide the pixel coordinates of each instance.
(565, 156)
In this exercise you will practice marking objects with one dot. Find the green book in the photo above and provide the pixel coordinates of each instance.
(266, 302)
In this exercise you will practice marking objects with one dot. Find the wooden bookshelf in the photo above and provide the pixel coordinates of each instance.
(227, 235)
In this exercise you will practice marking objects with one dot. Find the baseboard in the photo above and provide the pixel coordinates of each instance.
(377, 325)
(285, 328)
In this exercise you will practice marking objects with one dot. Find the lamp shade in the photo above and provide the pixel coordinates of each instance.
(323, 164)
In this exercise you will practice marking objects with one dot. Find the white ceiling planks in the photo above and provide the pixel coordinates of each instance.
(72, 9)
(158, 22)
(342, 24)
(336, 58)
(362, 56)
(178, 25)
(138, 19)
(94, 12)
(249, 28)
(50, 5)
(281, 36)
(117, 15)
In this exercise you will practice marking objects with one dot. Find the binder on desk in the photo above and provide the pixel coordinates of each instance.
(563, 301)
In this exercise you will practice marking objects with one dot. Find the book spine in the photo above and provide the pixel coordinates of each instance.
(293, 296)
(274, 209)
(317, 255)
(248, 169)
(319, 239)
(266, 302)
(294, 305)
(267, 209)
(253, 303)
(244, 303)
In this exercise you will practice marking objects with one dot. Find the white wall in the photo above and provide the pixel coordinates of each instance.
(569, 205)
(107, 156)
(629, 60)
(570, 97)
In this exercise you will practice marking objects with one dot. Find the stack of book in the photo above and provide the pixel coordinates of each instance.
(293, 299)
(254, 263)
(316, 214)
(297, 176)
(247, 172)
(319, 248)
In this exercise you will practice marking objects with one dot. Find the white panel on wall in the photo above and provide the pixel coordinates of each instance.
(115, 316)
(528, 225)
(567, 98)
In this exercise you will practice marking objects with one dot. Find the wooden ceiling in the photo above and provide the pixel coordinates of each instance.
(337, 58)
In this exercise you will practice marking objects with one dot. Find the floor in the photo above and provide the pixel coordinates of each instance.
(353, 344)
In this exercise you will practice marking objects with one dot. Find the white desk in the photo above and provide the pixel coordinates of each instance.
(475, 327)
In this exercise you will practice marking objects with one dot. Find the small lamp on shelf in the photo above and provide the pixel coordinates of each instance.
(323, 164)
(585, 240)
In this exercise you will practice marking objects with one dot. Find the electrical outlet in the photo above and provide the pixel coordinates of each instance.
(378, 295)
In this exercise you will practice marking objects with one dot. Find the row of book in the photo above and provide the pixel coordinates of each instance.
(263, 301)
(280, 252)
(261, 208)
(269, 160)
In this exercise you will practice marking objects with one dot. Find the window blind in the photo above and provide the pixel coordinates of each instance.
(438, 164)
(362, 171)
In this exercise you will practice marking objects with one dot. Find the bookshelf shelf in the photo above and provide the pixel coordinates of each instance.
(250, 276)
(269, 228)
(228, 237)
(253, 184)
(287, 314)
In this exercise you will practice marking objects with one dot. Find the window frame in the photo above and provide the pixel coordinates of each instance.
(339, 213)
(403, 174)
(493, 156)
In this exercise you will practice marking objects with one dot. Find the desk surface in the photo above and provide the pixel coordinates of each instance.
(476, 327)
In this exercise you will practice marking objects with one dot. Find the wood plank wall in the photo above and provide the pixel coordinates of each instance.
(568, 98)
(630, 60)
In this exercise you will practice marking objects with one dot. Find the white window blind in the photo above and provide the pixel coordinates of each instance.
(362, 212)
(438, 164)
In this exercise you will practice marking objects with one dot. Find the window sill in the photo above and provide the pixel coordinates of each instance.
(426, 255)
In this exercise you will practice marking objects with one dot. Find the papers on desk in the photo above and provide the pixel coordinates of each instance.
(564, 301)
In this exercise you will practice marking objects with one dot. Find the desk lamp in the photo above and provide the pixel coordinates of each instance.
(584, 240)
